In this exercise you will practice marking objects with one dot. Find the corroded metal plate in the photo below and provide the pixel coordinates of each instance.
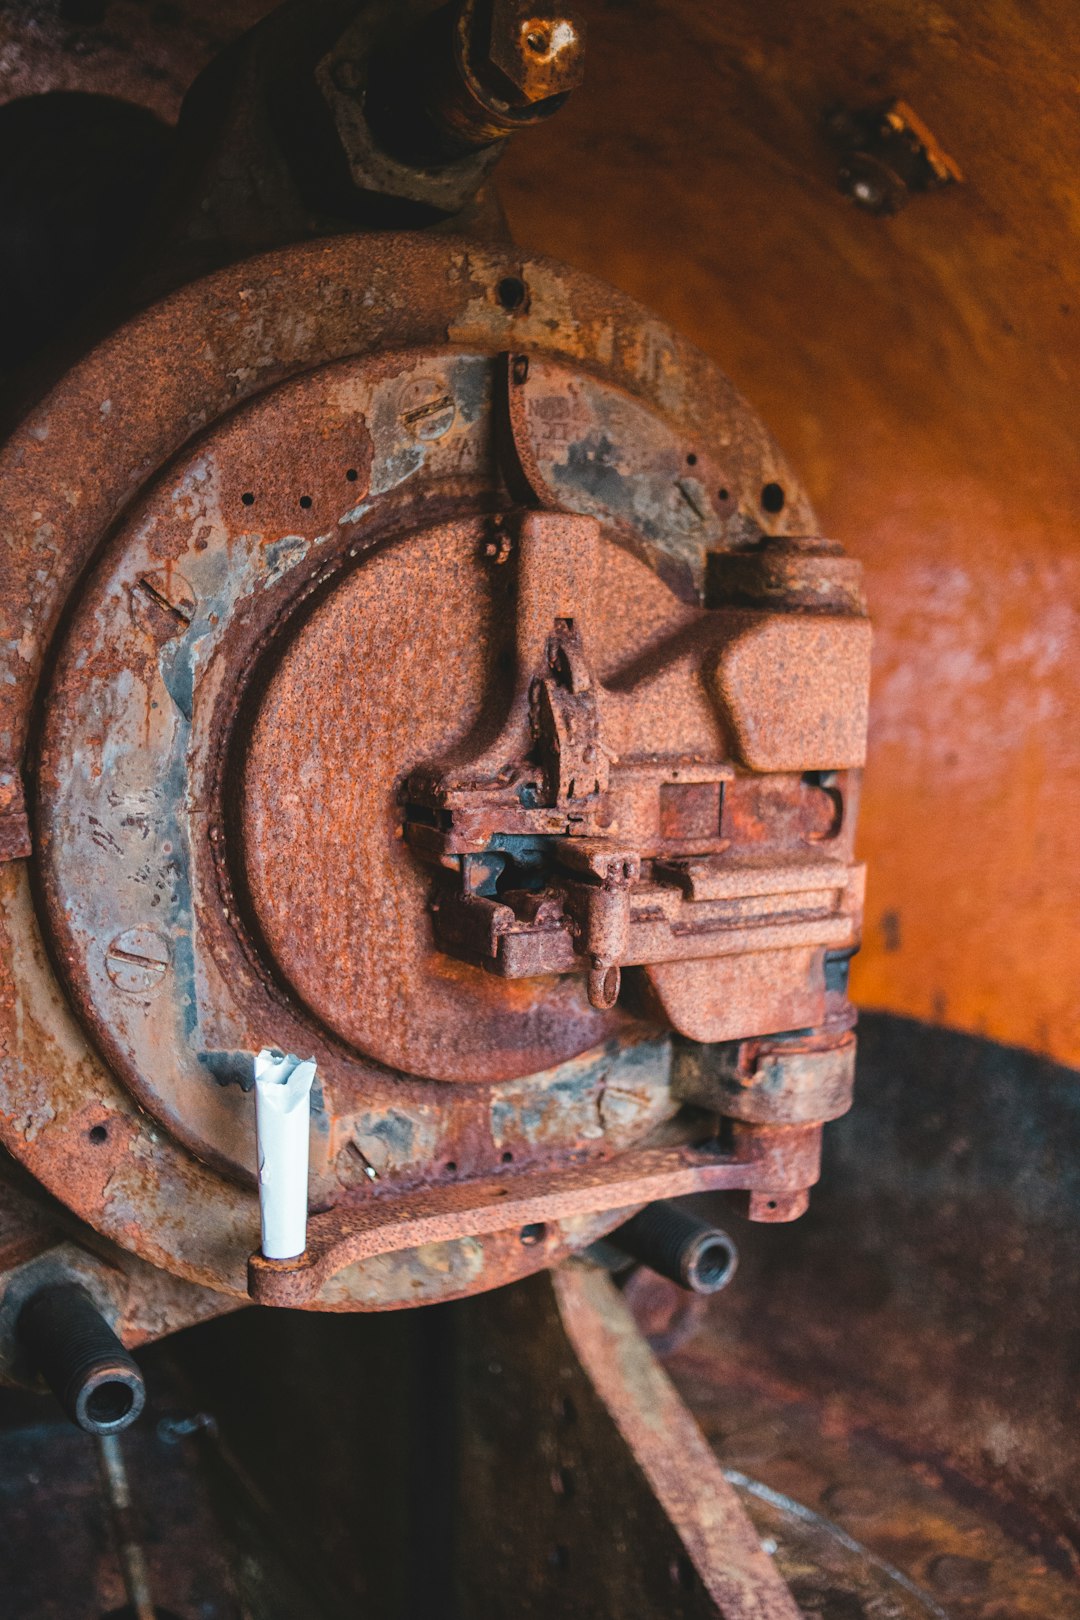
(278, 468)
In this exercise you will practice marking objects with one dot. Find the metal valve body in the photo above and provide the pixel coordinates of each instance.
(415, 657)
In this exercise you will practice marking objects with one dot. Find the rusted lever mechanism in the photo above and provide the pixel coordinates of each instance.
(588, 836)
(776, 1167)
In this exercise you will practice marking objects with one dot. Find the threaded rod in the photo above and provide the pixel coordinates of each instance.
(96, 1381)
(670, 1239)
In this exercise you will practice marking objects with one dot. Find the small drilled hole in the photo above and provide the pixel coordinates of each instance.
(691, 460)
(508, 1158)
(98, 1133)
(772, 498)
(451, 1166)
(352, 475)
(770, 1203)
(533, 1234)
(248, 498)
(723, 495)
(305, 501)
(512, 293)
(537, 42)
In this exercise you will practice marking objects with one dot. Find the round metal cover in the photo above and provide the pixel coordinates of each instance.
(283, 479)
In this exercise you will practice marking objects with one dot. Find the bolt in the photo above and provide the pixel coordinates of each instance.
(96, 1381)
(163, 601)
(136, 961)
(670, 1239)
(871, 185)
(427, 408)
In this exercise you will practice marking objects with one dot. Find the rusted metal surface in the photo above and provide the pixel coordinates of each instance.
(42, 1247)
(903, 1444)
(901, 1365)
(539, 49)
(931, 421)
(922, 372)
(671, 1451)
(217, 782)
(777, 1166)
(589, 832)
(778, 1080)
(117, 49)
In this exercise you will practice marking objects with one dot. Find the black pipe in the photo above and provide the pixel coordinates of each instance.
(93, 1377)
(670, 1239)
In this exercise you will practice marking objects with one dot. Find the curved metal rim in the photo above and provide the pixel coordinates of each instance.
(153, 386)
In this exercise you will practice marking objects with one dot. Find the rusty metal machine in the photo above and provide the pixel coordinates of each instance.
(418, 657)
(432, 722)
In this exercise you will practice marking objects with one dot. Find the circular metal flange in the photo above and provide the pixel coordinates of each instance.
(326, 538)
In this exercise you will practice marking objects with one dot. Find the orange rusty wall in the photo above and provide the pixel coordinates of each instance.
(922, 373)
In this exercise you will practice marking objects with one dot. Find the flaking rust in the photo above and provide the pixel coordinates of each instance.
(428, 694)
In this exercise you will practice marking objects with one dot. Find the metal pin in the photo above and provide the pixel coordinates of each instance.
(132, 1557)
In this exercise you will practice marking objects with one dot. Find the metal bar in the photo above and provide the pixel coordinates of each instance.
(780, 1160)
(670, 1449)
(128, 1545)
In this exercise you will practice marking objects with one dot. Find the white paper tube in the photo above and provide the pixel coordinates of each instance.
(282, 1125)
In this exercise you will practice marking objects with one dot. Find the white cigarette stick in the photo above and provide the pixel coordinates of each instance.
(282, 1126)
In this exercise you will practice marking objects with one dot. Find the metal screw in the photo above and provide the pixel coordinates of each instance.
(136, 960)
(96, 1381)
(164, 600)
(428, 408)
